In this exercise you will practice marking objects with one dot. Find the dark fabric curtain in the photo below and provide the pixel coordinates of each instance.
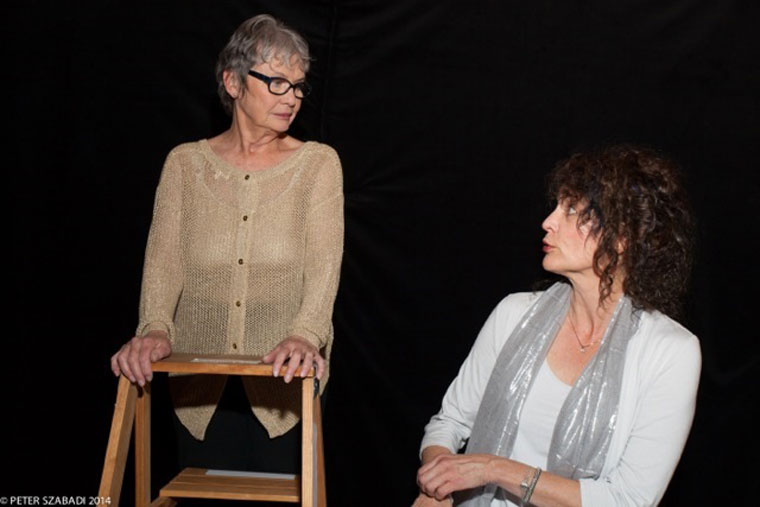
(447, 116)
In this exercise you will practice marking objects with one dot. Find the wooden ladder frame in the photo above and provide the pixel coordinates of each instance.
(133, 407)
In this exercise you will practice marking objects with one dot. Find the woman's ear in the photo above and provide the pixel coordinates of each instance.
(232, 84)
(620, 244)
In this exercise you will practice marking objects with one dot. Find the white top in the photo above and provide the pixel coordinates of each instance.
(657, 402)
(539, 414)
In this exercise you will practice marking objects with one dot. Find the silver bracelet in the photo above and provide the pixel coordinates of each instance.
(525, 483)
(529, 487)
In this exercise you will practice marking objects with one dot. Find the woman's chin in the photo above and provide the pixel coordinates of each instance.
(547, 265)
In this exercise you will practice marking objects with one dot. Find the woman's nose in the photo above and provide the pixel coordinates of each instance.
(290, 97)
(549, 223)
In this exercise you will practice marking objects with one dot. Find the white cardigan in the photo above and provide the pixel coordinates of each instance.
(656, 408)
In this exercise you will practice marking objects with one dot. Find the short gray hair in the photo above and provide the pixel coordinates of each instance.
(259, 39)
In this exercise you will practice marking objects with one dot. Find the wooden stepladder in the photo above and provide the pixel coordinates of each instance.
(133, 407)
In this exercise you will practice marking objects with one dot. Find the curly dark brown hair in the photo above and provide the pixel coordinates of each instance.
(632, 196)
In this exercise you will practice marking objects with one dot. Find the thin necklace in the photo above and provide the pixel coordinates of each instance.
(581, 345)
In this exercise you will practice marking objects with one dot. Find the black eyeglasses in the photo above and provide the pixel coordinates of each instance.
(281, 86)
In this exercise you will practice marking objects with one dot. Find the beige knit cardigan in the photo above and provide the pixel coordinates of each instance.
(237, 261)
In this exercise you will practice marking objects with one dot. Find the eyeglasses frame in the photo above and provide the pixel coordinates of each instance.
(303, 85)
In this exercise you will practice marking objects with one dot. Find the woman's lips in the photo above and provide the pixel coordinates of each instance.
(547, 247)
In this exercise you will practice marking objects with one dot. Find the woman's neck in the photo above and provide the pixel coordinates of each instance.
(251, 141)
(588, 313)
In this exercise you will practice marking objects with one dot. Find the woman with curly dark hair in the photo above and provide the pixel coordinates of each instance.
(589, 380)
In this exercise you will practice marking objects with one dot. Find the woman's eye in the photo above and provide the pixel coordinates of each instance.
(280, 84)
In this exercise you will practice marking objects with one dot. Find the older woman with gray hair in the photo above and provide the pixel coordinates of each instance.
(243, 257)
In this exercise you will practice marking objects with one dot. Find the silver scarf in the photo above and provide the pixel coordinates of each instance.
(587, 419)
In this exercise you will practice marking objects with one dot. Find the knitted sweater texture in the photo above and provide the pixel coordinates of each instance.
(237, 261)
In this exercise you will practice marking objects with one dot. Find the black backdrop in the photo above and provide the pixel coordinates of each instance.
(446, 115)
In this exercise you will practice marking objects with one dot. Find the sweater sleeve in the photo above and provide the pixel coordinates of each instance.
(323, 253)
(452, 425)
(163, 272)
(662, 422)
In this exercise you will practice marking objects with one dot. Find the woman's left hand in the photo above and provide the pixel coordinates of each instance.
(454, 472)
(297, 352)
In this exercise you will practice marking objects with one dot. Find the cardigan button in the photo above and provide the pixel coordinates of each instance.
(234, 346)
(248, 176)
(240, 261)
(238, 303)
(245, 217)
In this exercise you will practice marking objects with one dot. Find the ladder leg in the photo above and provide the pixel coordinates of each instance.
(307, 443)
(142, 447)
(118, 442)
(320, 450)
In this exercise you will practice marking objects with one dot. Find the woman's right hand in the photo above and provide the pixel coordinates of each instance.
(429, 454)
(427, 501)
(134, 358)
